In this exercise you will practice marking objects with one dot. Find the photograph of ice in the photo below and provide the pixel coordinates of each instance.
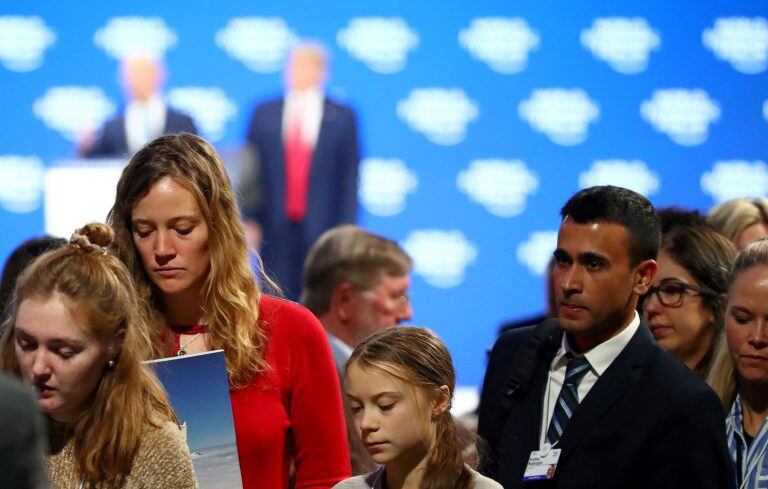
(199, 392)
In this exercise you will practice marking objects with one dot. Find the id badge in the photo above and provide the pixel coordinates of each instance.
(541, 464)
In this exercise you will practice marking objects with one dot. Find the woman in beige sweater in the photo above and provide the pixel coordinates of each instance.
(74, 333)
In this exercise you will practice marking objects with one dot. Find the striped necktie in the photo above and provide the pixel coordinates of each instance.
(568, 399)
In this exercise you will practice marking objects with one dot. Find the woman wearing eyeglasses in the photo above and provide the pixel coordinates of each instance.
(684, 307)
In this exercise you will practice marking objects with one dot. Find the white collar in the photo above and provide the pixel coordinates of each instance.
(602, 356)
(152, 103)
(311, 93)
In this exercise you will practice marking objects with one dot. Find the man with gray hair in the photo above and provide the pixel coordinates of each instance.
(356, 283)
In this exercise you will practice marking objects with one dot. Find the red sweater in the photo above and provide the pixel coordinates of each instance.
(293, 411)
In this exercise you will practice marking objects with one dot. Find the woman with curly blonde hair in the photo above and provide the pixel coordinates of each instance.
(75, 333)
(179, 233)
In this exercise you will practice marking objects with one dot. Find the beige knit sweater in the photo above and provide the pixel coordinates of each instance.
(162, 461)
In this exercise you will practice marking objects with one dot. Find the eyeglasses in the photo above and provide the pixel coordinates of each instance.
(671, 294)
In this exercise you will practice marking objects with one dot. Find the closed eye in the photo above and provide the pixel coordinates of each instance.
(25, 345)
(66, 353)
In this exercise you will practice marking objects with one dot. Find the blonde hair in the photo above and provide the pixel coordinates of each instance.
(99, 295)
(420, 358)
(722, 374)
(349, 254)
(732, 217)
(230, 293)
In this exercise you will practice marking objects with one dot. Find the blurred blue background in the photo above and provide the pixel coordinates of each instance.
(478, 119)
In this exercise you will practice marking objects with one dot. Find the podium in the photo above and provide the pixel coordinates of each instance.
(78, 191)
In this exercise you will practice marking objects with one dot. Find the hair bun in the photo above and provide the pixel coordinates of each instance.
(94, 236)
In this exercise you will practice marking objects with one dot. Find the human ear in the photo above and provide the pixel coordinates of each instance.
(113, 350)
(644, 273)
(343, 301)
(443, 401)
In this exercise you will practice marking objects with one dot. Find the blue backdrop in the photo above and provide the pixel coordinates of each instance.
(478, 119)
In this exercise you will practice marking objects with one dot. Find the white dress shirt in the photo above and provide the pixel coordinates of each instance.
(310, 102)
(600, 358)
(144, 121)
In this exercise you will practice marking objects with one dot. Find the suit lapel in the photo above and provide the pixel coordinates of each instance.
(326, 120)
(524, 419)
(618, 379)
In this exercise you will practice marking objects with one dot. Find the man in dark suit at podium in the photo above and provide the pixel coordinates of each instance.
(145, 117)
(588, 400)
(308, 150)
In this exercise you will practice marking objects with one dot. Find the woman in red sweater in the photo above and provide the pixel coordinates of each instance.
(179, 233)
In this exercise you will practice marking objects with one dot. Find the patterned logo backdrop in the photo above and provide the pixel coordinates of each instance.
(477, 121)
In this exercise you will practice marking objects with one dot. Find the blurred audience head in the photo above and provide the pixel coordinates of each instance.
(673, 216)
(142, 77)
(306, 67)
(19, 259)
(685, 305)
(357, 283)
(740, 359)
(741, 220)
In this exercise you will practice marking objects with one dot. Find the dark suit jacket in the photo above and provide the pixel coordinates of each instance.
(112, 142)
(648, 422)
(333, 184)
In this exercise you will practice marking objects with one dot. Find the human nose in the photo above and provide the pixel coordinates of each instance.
(651, 304)
(758, 337)
(571, 282)
(163, 247)
(41, 367)
(368, 422)
(406, 311)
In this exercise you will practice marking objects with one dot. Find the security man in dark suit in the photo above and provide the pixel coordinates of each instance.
(588, 400)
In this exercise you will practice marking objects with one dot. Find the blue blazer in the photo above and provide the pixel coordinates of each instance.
(648, 422)
(112, 142)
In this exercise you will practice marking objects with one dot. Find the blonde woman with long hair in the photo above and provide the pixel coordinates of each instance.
(179, 233)
(739, 373)
(74, 332)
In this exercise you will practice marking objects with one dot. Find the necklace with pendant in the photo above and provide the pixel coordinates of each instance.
(183, 348)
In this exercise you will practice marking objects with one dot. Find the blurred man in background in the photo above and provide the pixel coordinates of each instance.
(356, 283)
(145, 116)
(307, 149)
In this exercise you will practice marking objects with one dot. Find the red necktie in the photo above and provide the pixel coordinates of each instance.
(298, 158)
